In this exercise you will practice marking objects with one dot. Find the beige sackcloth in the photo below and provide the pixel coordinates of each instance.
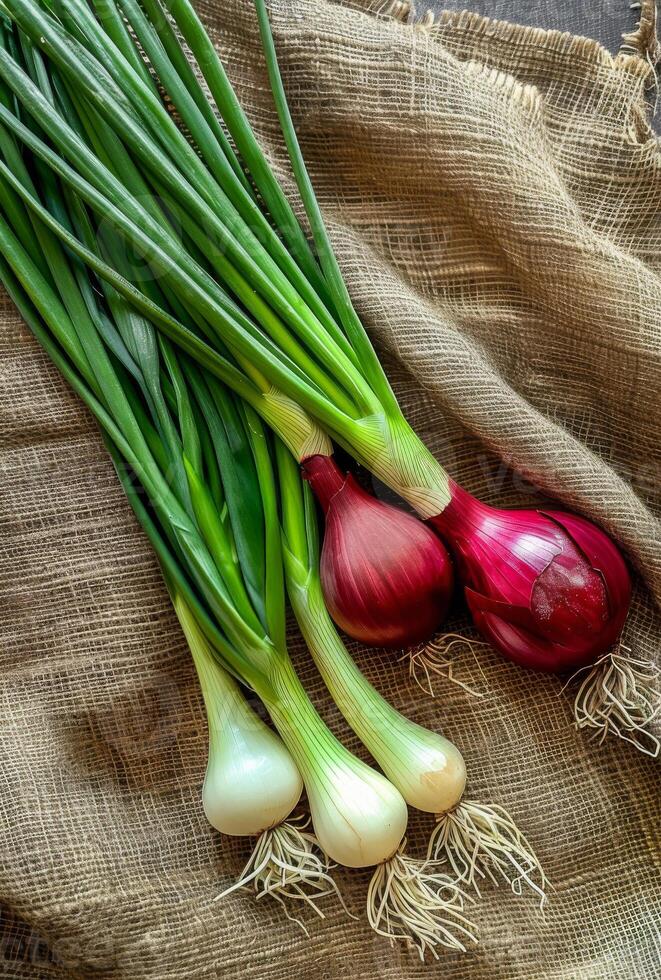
(494, 193)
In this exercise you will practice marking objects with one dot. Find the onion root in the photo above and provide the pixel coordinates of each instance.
(288, 864)
(482, 841)
(437, 658)
(620, 696)
(411, 901)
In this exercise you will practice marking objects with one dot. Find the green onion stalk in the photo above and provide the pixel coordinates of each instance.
(252, 785)
(219, 541)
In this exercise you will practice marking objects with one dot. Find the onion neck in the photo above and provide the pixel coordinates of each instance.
(388, 447)
(303, 731)
(325, 477)
(292, 424)
(461, 516)
(224, 703)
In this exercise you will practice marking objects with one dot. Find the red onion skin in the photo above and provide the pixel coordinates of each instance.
(387, 578)
(548, 589)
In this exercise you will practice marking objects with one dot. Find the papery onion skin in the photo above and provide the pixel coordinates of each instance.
(387, 579)
(548, 589)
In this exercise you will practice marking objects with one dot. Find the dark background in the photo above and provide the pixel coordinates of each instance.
(605, 20)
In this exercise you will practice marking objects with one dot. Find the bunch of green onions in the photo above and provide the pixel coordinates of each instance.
(550, 591)
(225, 325)
(221, 554)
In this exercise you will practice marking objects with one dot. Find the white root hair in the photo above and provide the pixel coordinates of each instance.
(482, 841)
(411, 901)
(620, 696)
(288, 864)
(437, 657)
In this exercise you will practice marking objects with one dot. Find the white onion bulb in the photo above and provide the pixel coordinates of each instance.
(251, 783)
(359, 817)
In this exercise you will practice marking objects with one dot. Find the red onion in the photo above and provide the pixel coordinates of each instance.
(387, 578)
(548, 589)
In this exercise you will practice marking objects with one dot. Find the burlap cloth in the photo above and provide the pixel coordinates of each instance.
(494, 193)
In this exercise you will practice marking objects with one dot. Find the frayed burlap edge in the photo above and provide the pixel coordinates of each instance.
(641, 44)
(643, 41)
(638, 55)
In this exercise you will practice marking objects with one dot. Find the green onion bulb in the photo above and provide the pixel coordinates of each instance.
(359, 817)
(251, 783)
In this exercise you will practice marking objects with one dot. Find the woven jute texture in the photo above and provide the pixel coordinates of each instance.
(494, 194)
